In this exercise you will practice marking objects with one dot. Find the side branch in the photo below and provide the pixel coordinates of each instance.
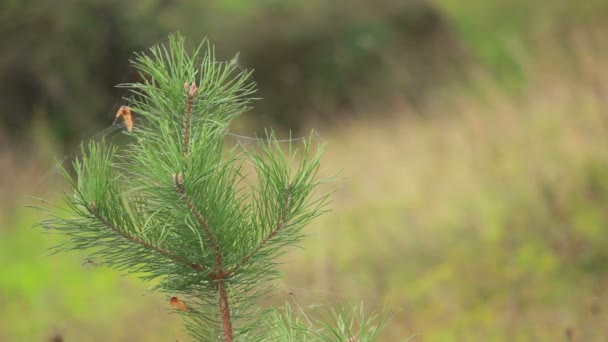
(219, 276)
(179, 184)
(191, 91)
(273, 232)
(93, 210)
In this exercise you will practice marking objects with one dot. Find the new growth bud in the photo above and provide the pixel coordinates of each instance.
(191, 89)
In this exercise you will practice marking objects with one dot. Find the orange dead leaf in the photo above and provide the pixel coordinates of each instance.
(178, 304)
(125, 112)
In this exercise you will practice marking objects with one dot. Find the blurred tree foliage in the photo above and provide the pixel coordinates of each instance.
(331, 61)
(61, 59)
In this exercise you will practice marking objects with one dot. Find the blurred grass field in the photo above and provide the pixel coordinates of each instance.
(482, 217)
(478, 216)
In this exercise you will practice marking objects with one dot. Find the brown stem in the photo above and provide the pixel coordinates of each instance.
(219, 276)
(139, 241)
(225, 311)
(191, 90)
(280, 224)
(179, 183)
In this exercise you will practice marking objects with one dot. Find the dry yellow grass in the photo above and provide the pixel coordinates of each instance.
(480, 216)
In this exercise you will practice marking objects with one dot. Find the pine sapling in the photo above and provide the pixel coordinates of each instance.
(177, 205)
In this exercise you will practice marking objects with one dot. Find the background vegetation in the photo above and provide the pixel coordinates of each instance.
(473, 135)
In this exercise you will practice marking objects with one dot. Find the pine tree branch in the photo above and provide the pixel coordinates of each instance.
(179, 183)
(219, 276)
(95, 212)
(273, 232)
(191, 89)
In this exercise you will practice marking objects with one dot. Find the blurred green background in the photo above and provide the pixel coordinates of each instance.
(473, 136)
